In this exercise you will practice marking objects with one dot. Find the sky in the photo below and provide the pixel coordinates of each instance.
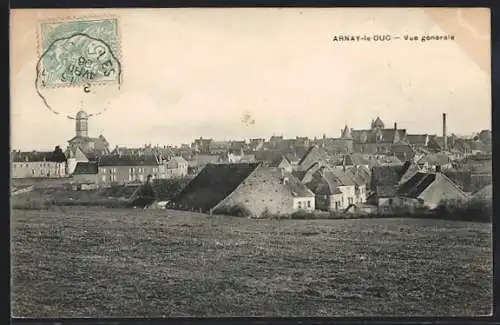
(190, 73)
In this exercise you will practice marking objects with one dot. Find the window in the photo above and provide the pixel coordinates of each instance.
(104, 170)
(390, 201)
(308, 204)
(300, 205)
(141, 177)
(103, 178)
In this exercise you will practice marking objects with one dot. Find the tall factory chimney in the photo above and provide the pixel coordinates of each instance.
(445, 138)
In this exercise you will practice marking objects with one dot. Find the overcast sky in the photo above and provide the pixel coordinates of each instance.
(195, 72)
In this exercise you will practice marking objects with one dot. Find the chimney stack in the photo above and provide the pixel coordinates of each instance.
(445, 138)
(395, 126)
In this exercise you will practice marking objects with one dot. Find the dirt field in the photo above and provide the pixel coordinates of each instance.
(80, 262)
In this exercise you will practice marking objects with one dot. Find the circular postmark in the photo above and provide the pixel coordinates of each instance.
(78, 68)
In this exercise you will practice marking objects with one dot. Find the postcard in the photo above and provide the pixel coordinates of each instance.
(218, 162)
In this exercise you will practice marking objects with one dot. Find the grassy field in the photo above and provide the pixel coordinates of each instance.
(90, 262)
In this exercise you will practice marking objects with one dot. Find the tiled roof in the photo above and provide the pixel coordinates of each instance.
(417, 139)
(485, 193)
(247, 158)
(277, 161)
(116, 160)
(237, 145)
(343, 179)
(416, 185)
(34, 156)
(297, 189)
(214, 183)
(360, 159)
(387, 175)
(299, 174)
(178, 159)
(435, 159)
(360, 175)
(86, 168)
(386, 191)
(201, 160)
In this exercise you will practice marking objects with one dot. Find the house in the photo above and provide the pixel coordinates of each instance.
(427, 190)
(201, 145)
(256, 144)
(333, 188)
(385, 180)
(418, 140)
(237, 156)
(116, 169)
(387, 160)
(435, 162)
(378, 139)
(283, 163)
(484, 194)
(257, 188)
(75, 155)
(219, 147)
(85, 173)
(37, 164)
(315, 154)
(361, 178)
(341, 145)
(293, 155)
(175, 167)
(199, 161)
(403, 150)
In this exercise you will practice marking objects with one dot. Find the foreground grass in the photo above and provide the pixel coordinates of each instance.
(90, 262)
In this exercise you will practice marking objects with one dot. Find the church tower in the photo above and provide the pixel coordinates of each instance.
(82, 120)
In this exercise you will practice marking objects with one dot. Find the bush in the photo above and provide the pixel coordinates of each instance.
(237, 210)
(472, 210)
(303, 215)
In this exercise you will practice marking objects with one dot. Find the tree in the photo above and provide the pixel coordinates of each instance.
(58, 155)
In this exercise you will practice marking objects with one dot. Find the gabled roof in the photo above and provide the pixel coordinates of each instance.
(342, 178)
(200, 160)
(247, 158)
(297, 189)
(486, 193)
(33, 156)
(237, 145)
(360, 159)
(177, 159)
(213, 184)
(416, 185)
(117, 160)
(360, 175)
(278, 160)
(86, 168)
(417, 139)
(438, 158)
(387, 175)
(299, 174)
(388, 135)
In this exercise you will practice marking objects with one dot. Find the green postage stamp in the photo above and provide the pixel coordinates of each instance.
(74, 53)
